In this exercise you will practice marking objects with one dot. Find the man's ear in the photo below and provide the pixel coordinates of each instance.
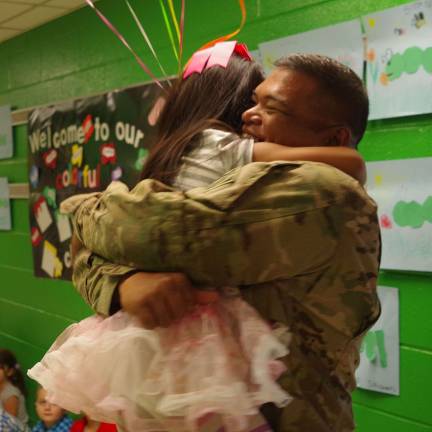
(339, 136)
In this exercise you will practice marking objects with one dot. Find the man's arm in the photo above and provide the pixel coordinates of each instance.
(156, 299)
(97, 280)
(256, 224)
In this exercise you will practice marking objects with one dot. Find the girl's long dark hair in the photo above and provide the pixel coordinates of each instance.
(9, 361)
(215, 98)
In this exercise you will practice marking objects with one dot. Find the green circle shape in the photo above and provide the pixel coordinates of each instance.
(412, 59)
(427, 209)
(395, 67)
(427, 60)
(408, 214)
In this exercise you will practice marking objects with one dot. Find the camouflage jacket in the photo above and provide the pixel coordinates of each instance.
(302, 239)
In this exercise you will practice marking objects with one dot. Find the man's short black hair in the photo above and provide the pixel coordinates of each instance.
(343, 92)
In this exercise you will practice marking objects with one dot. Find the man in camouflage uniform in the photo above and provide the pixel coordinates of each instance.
(302, 239)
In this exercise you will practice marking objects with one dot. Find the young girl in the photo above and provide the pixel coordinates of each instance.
(12, 387)
(221, 358)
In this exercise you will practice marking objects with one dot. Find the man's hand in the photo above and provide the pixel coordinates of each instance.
(157, 299)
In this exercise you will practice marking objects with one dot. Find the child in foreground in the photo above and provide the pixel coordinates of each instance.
(52, 418)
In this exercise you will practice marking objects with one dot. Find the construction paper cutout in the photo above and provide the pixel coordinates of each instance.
(50, 195)
(50, 158)
(116, 174)
(42, 214)
(88, 128)
(63, 226)
(108, 154)
(49, 259)
(36, 237)
(34, 176)
(156, 110)
(142, 156)
(77, 155)
(58, 268)
(67, 259)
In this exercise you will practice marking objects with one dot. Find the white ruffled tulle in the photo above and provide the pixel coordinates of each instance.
(220, 359)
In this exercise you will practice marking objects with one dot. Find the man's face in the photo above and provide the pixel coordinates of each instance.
(286, 111)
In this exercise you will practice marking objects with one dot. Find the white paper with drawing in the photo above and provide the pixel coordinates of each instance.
(403, 191)
(6, 139)
(342, 42)
(379, 367)
(5, 213)
(399, 60)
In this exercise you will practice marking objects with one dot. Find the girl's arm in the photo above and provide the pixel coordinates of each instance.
(344, 158)
(11, 405)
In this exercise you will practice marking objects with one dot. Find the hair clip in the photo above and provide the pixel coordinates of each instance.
(217, 55)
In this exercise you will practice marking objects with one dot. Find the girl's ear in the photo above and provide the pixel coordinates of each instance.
(339, 136)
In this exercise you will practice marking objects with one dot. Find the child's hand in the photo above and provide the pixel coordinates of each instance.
(157, 299)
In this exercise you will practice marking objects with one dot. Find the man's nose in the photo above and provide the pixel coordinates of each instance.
(251, 116)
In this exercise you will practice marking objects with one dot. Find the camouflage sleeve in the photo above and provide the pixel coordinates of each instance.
(96, 280)
(258, 223)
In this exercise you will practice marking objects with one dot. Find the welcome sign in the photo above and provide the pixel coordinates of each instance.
(80, 147)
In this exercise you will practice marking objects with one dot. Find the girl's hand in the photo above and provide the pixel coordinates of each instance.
(157, 299)
(344, 158)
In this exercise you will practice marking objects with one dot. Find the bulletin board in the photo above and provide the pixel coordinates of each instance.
(80, 147)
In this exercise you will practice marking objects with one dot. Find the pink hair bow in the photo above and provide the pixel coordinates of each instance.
(217, 55)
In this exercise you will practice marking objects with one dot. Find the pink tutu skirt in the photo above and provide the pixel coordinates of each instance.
(219, 360)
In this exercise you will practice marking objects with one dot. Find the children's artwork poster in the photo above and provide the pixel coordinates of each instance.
(343, 42)
(379, 353)
(6, 138)
(399, 60)
(5, 213)
(80, 147)
(403, 193)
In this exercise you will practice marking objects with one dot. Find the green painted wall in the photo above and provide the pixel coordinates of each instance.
(76, 56)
